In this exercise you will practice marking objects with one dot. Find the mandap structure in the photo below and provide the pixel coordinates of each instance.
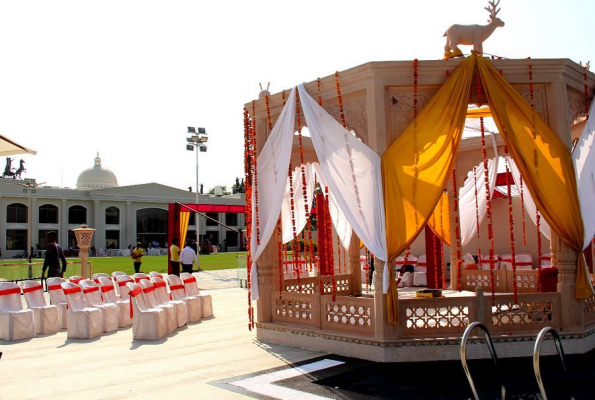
(465, 175)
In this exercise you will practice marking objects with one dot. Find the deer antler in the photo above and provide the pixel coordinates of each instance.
(493, 5)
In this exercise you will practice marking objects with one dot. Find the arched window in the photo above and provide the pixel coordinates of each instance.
(112, 216)
(16, 213)
(48, 214)
(77, 215)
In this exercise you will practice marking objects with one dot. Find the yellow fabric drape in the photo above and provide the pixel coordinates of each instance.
(544, 162)
(391, 296)
(479, 112)
(439, 222)
(416, 167)
(184, 219)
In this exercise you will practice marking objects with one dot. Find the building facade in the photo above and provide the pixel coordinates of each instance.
(121, 215)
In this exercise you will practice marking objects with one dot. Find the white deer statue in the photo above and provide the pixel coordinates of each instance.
(471, 34)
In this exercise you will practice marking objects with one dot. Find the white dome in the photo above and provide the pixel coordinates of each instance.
(96, 177)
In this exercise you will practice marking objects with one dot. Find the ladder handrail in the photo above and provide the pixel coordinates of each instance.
(492, 349)
(536, 353)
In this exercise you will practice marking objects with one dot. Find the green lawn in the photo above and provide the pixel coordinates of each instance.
(109, 264)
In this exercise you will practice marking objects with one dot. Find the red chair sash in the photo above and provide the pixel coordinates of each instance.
(32, 289)
(190, 280)
(177, 287)
(106, 289)
(96, 280)
(159, 284)
(123, 283)
(140, 279)
(68, 291)
(148, 289)
(423, 264)
(75, 280)
(545, 258)
(523, 263)
(133, 293)
(6, 292)
(91, 289)
(54, 287)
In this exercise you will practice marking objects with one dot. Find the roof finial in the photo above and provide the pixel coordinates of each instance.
(97, 160)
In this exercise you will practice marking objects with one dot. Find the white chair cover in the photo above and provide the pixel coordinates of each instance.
(400, 261)
(47, 318)
(15, 323)
(164, 298)
(523, 261)
(83, 322)
(109, 296)
(116, 273)
(546, 260)
(176, 287)
(139, 276)
(100, 275)
(75, 279)
(123, 290)
(420, 276)
(147, 323)
(109, 311)
(422, 265)
(206, 302)
(151, 301)
(484, 263)
(154, 274)
(58, 299)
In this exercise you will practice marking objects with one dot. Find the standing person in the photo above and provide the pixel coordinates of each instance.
(53, 256)
(175, 256)
(187, 257)
(137, 256)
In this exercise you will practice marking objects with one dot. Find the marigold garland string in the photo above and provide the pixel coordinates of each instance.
(330, 250)
(487, 187)
(457, 229)
(511, 227)
(539, 254)
(476, 200)
(294, 244)
(435, 248)
(319, 97)
(248, 156)
(367, 269)
(442, 262)
(523, 209)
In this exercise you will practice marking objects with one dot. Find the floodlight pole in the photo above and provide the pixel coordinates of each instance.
(196, 218)
(195, 143)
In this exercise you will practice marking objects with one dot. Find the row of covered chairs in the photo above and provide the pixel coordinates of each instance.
(87, 308)
(523, 261)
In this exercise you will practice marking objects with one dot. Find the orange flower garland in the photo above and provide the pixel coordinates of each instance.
(523, 209)
(487, 186)
(476, 200)
(319, 97)
(435, 248)
(587, 103)
(330, 250)
(511, 226)
(295, 255)
(248, 206)
(457, 229)
(539, 254)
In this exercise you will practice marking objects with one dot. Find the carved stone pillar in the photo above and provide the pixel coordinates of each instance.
(565, 260)
(355, 269)
(267, 265)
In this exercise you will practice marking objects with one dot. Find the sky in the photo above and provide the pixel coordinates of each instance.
(125, 78)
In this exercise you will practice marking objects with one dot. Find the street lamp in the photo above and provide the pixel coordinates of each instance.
(198, 140)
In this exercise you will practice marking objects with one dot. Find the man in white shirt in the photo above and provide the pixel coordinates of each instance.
(187, 257)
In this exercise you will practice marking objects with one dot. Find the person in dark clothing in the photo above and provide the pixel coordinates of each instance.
(53, 256)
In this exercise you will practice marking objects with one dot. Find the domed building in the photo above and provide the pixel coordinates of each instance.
(96, 177)
(120, 215)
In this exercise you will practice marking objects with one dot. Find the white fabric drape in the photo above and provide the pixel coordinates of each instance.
(342, 226)
(352, 172)
(273, 164)
(584, 166)
(467, 204)
(530, 207)
(299, 202)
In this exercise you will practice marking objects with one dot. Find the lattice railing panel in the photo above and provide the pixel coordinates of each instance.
(589, 307)
(296, 308)
(526, 281)
(342, 282)
(472, 279)
(431, 317)
(348, 314)
(532, 312)
(305, 285)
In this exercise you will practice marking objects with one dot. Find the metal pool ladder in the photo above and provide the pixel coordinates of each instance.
(537, 351)
(492, 349)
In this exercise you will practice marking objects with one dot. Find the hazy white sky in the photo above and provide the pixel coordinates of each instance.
(126, 78)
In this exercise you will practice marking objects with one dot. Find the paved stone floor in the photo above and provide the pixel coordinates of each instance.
(114, 366)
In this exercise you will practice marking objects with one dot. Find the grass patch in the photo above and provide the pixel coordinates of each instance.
(208, 262)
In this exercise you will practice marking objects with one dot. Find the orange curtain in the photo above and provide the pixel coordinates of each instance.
(439, 222)
(544, 162)
(416, 167)
(184, 220)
